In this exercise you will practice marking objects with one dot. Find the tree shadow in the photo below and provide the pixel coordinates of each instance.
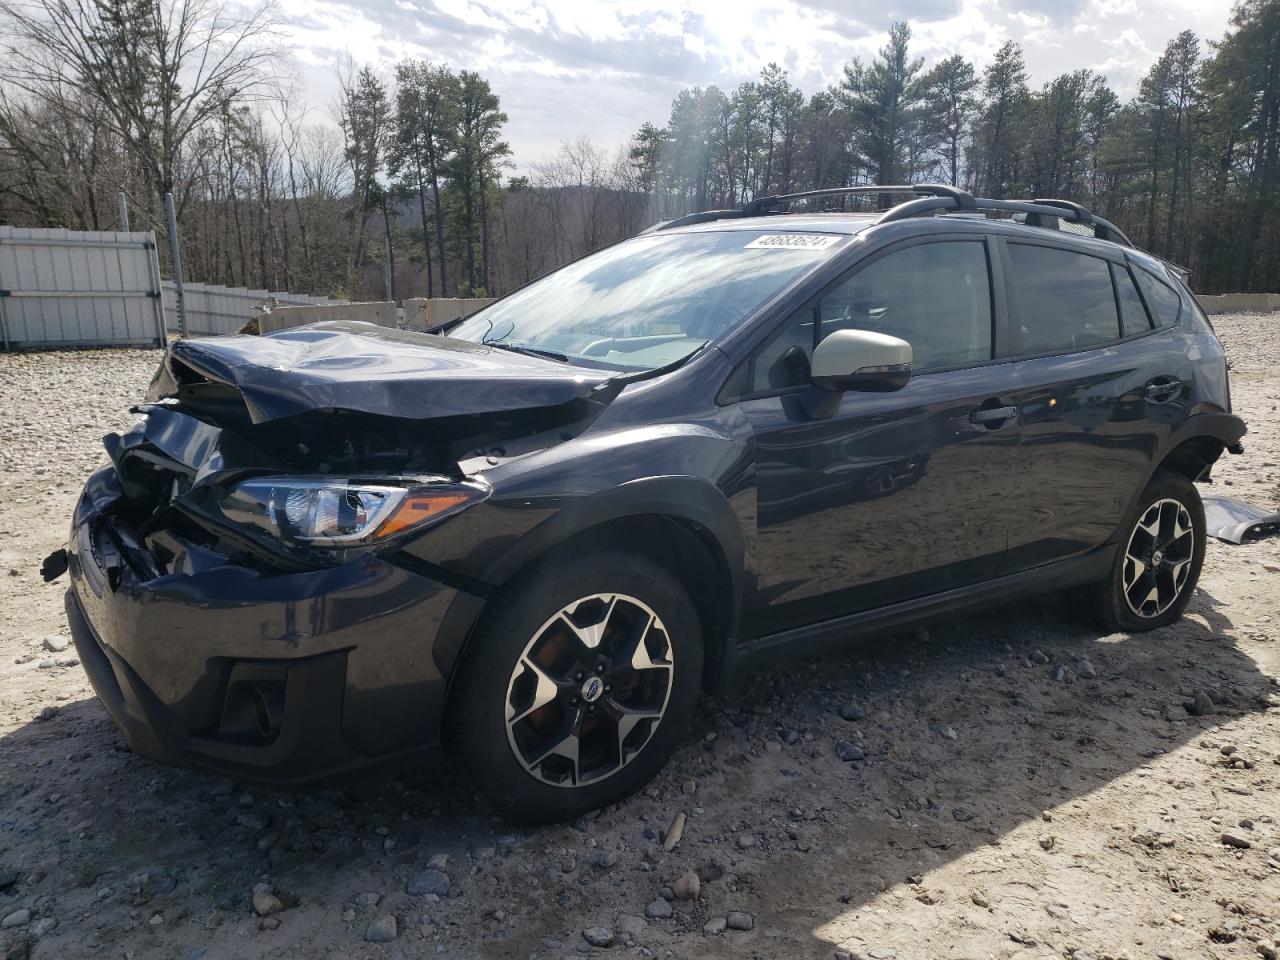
(966, 737)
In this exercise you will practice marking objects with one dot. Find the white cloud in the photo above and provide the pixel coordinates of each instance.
(565, 67)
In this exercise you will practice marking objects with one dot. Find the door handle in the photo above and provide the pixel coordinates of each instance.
(992, 417)
(1162, 388)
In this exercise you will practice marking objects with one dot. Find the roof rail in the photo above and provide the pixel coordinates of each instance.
(761, 205)
(1106, 230)
(1035, 210)
(929, 199)
(702, 216)
(1082, 216)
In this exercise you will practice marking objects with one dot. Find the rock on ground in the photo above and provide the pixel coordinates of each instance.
(381, 929)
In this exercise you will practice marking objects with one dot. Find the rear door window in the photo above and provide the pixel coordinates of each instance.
(1133, 315)
(1060, 300)
(1162, 299)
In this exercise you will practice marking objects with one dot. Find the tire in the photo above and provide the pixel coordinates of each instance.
(578, 738)
(1138, 595)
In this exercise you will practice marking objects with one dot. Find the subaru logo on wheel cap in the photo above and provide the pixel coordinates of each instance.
(592, 689)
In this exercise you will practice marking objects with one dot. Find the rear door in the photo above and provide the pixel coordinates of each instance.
(898, 495)
(1100, 385)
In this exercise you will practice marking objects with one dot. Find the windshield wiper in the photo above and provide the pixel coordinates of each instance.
(528, 351)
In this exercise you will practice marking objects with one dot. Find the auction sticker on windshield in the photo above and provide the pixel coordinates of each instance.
(793, 241)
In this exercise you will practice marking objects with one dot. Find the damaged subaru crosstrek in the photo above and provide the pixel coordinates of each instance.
(534, 539)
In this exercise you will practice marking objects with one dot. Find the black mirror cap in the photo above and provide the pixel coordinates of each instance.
(879, 379)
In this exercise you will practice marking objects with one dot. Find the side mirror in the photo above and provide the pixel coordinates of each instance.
(854, 360)
(861, 360)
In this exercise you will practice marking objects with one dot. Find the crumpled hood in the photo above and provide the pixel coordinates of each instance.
(361, 367)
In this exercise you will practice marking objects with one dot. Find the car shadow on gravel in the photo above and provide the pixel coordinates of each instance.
(969, 730)
(959, 735)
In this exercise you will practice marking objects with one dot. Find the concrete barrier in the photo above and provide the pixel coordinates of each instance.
(1240, 302)
(381, 312)
(423, 314)
(214, 310)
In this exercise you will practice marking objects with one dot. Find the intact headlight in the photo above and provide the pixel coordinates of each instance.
(334, 512)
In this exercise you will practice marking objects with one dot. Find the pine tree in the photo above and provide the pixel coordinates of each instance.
(1243, 87)
(365, 118)
(1155, 109)
(1099, 116)
(950, 85)
(885, 102)
(645, 156)
(477, 153)
(687, 163)
(1184, 52)
(1059, 153)
(821, 134)
(426, 96)
(999, 140)
(780, 105)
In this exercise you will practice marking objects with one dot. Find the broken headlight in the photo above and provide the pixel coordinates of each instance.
(344, 513)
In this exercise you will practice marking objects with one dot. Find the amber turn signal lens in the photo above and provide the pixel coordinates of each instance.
(418, 506)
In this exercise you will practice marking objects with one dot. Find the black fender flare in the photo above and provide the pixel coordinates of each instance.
(683, 498)
(1224, 427)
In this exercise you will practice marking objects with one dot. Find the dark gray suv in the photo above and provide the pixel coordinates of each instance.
(742, 435)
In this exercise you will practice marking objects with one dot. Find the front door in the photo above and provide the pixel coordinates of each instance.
(897, 495)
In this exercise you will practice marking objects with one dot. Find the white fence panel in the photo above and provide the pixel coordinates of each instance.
(63, 288)
(215, 310)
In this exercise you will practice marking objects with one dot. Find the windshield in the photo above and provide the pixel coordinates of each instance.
(649, 301)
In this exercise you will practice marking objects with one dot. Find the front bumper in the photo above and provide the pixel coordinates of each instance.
(283, 679)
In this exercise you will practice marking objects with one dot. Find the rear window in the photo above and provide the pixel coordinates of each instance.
(1162, 299)
(1061, 300)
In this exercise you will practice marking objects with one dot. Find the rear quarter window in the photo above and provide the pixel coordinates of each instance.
(1162, 300)
(1133, 315)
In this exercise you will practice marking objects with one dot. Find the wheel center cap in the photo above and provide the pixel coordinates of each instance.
(1157, 558)
(592, 689)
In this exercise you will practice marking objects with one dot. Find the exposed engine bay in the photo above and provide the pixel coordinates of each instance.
(239, 458)
(338, 441)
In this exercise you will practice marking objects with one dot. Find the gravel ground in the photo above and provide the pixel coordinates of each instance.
(1016, 785)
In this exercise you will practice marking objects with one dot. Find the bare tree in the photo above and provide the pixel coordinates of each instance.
(61, 164)
(157, 70)
(577, 181)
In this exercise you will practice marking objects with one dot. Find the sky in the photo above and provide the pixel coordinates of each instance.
(600, 68)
